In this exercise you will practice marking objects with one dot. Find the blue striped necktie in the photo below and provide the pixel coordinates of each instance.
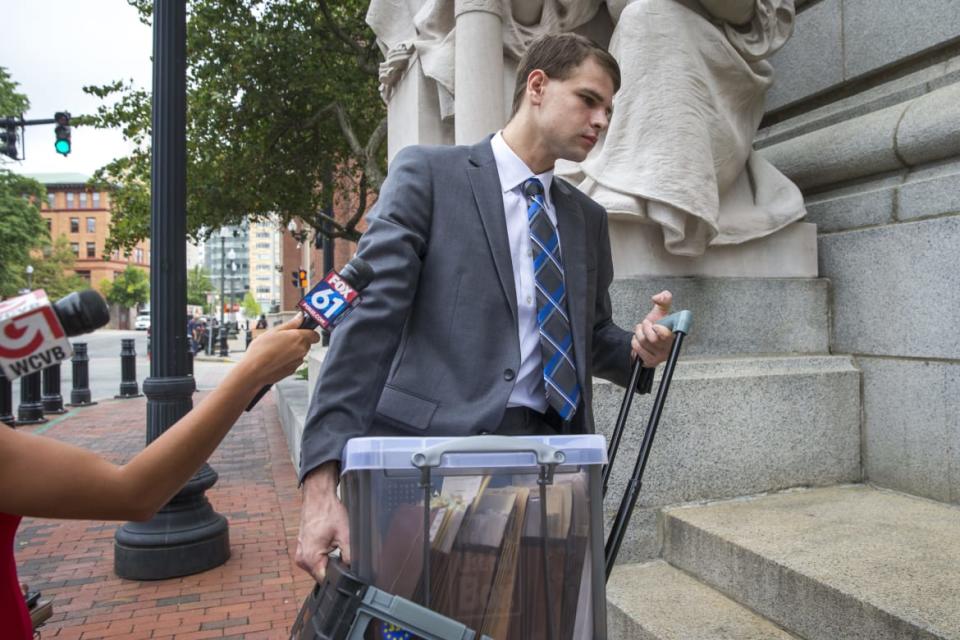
(556, 339)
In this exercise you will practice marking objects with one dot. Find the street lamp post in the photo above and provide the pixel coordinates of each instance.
(29, 271)
(232, 255)
(186, 536)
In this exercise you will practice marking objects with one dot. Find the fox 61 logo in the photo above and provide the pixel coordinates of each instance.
(31, 337)
(327, 302)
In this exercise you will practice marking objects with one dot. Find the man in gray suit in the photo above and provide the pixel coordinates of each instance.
(489, 311)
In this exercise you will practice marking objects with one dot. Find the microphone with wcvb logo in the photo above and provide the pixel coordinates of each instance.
(34, 332)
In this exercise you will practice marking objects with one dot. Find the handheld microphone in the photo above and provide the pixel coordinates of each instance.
(330, 301)
(34, 332)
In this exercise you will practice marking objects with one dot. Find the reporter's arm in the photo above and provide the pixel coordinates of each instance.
(43, 477)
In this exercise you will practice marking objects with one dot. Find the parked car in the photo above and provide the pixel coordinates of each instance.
(142, 323)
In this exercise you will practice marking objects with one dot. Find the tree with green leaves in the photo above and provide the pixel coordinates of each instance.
(22, 229)
(251, 308)
(53, 269)
(12, 102)
(198, 286)
(283, 110)
(130, 288)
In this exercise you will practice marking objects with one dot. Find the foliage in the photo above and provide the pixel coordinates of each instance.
(130, 288)
(198, 286)
(251, 308)
(21, 228)
(12, 102)
(53, 272)
(283, 105)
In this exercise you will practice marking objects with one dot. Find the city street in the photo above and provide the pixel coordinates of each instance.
(103, 348)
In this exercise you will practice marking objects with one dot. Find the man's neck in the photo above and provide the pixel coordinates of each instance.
(523, 141)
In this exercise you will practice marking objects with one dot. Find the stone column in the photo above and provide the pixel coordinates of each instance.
(478, 79)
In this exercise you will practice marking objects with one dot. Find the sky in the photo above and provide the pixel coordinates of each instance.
(53, 48)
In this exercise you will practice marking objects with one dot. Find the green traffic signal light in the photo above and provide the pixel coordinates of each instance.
(62, 131)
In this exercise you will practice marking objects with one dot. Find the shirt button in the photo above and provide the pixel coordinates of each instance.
(508, 374)
(529, 299)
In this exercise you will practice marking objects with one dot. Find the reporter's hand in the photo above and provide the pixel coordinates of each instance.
(279, 352)
(652, 342)
(324, 525)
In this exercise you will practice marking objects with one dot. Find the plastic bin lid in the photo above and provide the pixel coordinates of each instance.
(395, 453)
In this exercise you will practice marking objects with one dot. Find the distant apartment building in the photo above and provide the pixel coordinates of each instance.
(226, 257)
(266, 282)
(82, 214)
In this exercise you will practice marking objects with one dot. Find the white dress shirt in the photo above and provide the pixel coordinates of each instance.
(528, 386)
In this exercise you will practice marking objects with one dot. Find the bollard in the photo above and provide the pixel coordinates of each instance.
(51, 398)
(211, 338)
(30, 410)
(6, 399)
(189, 357)
(128, 370)
(224, 347)
(80, 393)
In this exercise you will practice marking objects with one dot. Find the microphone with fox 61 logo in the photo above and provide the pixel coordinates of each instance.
(34, 332)
(329, 302)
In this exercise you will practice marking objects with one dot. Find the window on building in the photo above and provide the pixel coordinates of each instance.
(51, 199)
(85, 275)
(74, 225)
(263, 245)
(263, 234)
(263, 289)
(75, 247)
(71, 203)
(138, 255)
(96, 199)
(263, 267)
(115, 255)
(91, 249)
(91, 225)
(49, 224)
(83, 199)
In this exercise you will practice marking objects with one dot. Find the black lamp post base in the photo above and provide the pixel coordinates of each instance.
(28, 421)
(185, 537)
(80, 404)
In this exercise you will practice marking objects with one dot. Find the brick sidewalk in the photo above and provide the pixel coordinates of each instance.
(256, 594)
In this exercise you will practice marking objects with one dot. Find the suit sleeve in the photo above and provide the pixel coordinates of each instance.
(363, 346)
(611, 344)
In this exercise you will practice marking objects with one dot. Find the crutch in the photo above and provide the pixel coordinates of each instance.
(679, 323)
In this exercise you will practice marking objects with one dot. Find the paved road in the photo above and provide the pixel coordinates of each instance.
(103, 347)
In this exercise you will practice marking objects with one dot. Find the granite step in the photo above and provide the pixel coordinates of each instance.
(852, 562)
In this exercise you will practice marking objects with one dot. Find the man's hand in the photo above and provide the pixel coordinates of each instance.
(323, 522)
(652, 342)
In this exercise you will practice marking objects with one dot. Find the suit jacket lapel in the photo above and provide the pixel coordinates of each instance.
(485, 182)
(571, 227)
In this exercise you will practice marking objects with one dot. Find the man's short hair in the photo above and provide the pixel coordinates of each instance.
(557, 55)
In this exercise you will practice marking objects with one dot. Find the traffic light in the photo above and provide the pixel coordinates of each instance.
(8, 142)
(62, 144)
(295, 278)
(303, 279)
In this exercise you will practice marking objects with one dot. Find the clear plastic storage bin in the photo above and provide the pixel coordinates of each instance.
(458, 525)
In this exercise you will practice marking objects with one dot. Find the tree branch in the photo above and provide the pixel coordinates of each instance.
(361, 53)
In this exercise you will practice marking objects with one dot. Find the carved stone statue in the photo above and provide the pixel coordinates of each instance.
(679, 148)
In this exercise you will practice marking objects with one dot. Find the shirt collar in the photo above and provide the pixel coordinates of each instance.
(514, 171)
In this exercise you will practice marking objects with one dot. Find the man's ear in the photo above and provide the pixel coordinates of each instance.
(536, 83)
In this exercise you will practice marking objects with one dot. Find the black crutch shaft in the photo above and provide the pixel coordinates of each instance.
(629, 500)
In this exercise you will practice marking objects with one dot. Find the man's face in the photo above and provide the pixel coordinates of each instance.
(573, 112)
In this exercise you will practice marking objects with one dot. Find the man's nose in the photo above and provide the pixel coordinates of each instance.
(600, 120)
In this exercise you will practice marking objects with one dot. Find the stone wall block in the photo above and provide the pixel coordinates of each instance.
(912, 428)
(895, 289)
(812, 60)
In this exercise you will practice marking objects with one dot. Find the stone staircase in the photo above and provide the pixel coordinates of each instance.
(844, 562)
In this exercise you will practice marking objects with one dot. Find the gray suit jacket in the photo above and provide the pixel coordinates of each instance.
(433, 347)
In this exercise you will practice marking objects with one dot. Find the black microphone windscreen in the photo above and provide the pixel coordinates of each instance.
(357, 273)
(81, 312)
